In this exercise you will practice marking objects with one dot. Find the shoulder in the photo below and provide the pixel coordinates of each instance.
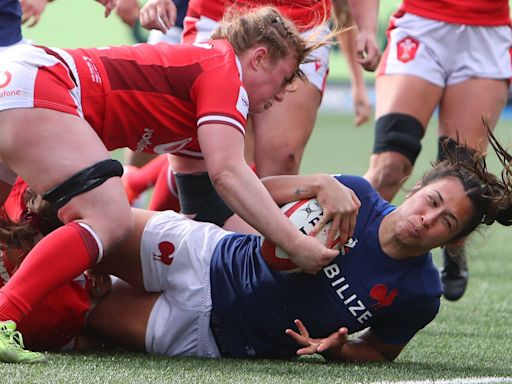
(358, 184)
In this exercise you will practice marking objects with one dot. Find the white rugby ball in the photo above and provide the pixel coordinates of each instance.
(304, 214)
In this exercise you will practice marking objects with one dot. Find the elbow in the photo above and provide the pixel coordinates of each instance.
(222, 178)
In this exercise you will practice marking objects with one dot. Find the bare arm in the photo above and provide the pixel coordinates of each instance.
(347, 40)
(32, 10)
(128, 11)
(366, 347)
(222, 147)
(365, 15)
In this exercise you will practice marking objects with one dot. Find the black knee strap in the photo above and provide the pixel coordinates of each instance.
(197, 196)
(398, 132)
(446, 145)
(83, 181)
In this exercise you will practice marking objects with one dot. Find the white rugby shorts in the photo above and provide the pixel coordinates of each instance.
(175, 256)
(202, 28)
(32, 77)
(444, 53)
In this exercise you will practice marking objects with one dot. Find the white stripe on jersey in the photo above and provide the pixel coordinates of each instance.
(217, 118)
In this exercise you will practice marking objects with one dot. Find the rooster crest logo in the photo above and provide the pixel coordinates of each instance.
(381, 293)
(166, 250)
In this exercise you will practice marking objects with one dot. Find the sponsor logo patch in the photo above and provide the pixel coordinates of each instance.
(5, 78)
(242, 104)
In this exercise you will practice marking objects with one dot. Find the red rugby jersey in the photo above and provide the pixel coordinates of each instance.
(152, 98)
(306, 14)
(469, 12)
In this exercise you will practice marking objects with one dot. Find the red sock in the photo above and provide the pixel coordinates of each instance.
(146, 176)
(55, 260)
(163, 197)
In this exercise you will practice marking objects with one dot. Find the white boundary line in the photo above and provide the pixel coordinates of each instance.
(464, 380)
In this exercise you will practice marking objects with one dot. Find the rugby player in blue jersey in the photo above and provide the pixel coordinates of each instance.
(214, 295)
(217, 296)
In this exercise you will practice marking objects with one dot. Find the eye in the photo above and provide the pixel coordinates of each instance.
(447, 222)
(433, 201)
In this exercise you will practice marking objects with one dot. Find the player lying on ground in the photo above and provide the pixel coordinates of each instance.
(216, 295)
(56, 322)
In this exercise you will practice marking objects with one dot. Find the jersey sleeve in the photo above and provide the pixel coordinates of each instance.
(221, 98)
(361, 187)
(401, 326)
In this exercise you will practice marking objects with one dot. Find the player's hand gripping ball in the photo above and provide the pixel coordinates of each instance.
(304, 214)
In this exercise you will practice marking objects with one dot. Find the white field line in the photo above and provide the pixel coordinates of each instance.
(464, 380)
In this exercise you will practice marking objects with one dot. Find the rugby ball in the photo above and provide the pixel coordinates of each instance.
(304, 214)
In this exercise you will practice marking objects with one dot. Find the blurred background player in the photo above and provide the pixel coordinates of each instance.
(446, 54)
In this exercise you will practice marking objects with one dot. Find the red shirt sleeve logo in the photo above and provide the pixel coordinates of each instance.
(406, 49)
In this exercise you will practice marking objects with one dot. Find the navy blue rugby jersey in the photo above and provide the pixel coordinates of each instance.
(361, 288)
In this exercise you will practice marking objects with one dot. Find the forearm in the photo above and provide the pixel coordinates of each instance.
(365, 14)
(342, 14)
(355, 350)
(286, 188)
(244, 193)
(347, 42)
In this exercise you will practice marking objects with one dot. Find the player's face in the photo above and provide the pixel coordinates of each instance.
(270, 86)
(433, 215)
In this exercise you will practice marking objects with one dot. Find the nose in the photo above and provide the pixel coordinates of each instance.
(426, 221)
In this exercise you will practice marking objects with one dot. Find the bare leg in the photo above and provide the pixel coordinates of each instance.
(42, 146)
(461, 112)
(409, 95)
(122, 315)
(282, 132)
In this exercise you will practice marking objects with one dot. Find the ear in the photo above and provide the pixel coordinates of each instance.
(259, 56)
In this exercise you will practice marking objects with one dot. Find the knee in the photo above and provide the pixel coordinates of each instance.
(290, 162)
(390, 170)
(111, 225)
(400, 133)
(284, 160)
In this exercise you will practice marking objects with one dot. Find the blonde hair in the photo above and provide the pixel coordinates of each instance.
(266, 26)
